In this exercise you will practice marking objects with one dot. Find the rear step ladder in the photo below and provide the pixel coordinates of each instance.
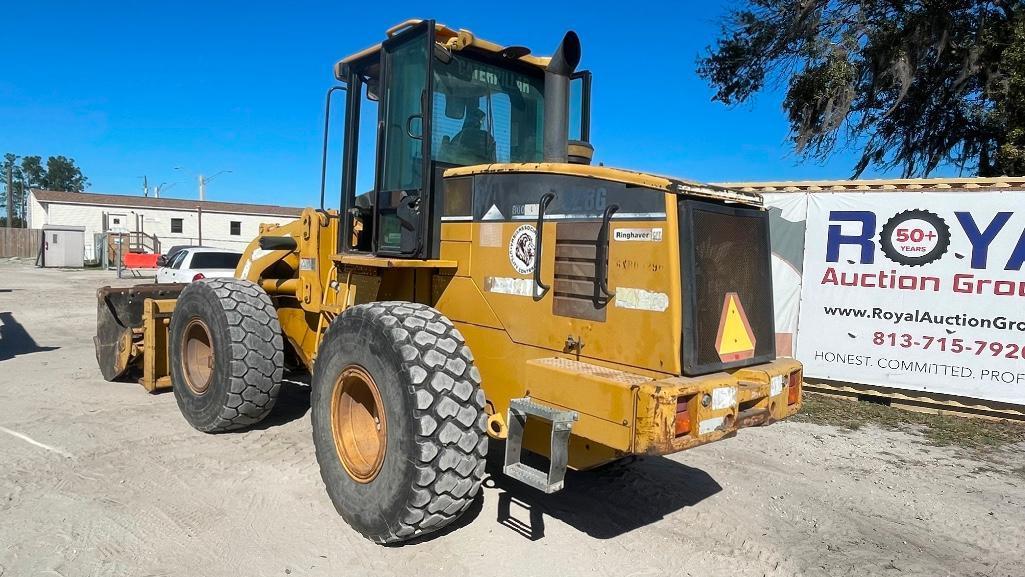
(562, 423)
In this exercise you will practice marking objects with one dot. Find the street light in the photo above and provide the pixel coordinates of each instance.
(203, 180)
(163, 186)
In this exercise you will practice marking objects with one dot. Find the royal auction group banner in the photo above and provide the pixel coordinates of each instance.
(911, 290)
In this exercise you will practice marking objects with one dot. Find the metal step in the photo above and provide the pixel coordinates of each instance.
(562, 423)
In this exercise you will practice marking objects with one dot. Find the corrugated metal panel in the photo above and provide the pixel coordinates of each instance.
(867, 185)
(89, 198)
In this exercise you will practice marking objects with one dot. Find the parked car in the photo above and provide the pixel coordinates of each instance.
(167, 257)
(195, 263)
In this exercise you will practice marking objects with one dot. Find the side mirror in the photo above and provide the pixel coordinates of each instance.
(580, 106)
(162, 260)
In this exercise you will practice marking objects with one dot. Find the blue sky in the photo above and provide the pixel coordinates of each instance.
(132, 88)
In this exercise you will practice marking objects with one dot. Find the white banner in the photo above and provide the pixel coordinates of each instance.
(787, 213)
(920, 291)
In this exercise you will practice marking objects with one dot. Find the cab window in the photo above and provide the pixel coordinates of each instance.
(485, 114)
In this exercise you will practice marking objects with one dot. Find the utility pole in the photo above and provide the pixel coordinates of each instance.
(10, 194)
(24, 204)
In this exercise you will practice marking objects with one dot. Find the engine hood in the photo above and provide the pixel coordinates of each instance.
(668, 184)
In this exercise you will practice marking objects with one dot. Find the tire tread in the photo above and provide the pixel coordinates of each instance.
(448, 411)
(257, 355)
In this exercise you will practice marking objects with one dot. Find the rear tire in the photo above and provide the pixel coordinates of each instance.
(226, 354)
(404, 367)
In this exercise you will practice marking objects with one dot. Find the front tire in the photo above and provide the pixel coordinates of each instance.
(398, 420)
(226, 354)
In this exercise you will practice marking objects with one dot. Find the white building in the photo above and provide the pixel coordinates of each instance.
(171, 221)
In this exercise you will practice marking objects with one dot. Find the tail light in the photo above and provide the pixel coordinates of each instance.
(683, 415)
(199, 276)
(794, 388)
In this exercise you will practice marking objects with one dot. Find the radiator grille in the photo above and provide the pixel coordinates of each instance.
(724, 250)
(576, 293)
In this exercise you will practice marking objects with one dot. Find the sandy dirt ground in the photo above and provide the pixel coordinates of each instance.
(102, 478)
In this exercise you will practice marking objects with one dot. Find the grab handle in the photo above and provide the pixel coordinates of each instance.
(540, 289)
(601, 268)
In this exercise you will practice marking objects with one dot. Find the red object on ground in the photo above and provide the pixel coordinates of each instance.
(140, 260)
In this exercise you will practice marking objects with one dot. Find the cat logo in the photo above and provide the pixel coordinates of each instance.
(736, 340)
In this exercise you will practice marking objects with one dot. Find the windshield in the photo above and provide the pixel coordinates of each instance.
(485, 114)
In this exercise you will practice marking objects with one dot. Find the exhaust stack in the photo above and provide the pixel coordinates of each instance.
(560, 68)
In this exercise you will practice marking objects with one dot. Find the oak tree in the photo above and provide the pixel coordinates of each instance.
(912, 85)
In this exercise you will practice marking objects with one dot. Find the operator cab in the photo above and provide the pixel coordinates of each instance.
(443, 99)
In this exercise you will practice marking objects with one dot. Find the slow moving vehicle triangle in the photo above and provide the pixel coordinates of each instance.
(736, 340)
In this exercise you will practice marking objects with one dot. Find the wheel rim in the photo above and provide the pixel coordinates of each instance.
(358, 424)
(197, 357)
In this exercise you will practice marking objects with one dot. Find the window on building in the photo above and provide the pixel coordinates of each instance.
(176, 225)
(236, 228)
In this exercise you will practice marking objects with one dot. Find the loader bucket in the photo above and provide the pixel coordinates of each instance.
(119, 324)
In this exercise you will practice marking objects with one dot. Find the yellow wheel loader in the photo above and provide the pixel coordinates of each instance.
(491, 284)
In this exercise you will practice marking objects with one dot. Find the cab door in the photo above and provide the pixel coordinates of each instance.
(403, 217)
(169, 273)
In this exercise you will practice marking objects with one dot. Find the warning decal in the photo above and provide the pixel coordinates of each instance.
(736, 340)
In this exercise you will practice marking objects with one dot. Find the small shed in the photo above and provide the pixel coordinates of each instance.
(63, 246)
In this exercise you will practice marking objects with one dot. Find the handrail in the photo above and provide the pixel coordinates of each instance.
(323, 154)
(402, 26)
(601, 265)
(546, 199)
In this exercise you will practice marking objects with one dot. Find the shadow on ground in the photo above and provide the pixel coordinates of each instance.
(293, 402)
(15, 340)
(603, 503)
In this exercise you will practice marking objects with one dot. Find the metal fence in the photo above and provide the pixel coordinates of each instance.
(20, 242)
